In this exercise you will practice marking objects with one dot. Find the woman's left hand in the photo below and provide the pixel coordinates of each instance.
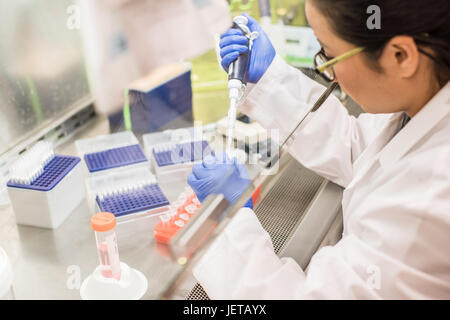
(217, 175)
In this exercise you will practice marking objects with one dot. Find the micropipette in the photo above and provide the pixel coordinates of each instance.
(237, 76)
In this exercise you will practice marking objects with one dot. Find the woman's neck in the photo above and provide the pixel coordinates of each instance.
(420, 102)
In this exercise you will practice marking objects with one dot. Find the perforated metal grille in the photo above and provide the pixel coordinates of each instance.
(197, 293)
(282, 209)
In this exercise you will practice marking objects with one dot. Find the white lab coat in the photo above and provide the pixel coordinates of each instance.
(396, 203)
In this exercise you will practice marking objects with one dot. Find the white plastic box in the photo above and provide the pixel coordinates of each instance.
(250, 137)
(172, 158)
(6, 277)
(135, 191)
(52, 197)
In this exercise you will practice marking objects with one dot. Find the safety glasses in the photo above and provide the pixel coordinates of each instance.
(324, 65)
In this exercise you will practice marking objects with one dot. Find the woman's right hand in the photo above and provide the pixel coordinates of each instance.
(233, 43)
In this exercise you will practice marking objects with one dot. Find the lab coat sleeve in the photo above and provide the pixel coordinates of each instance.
(231, 268)
(241, 264)
(328, 141)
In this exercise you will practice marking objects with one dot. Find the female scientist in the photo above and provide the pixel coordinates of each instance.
(396, 173)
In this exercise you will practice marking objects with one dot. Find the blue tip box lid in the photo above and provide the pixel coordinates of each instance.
(114, 158)
(53, 173)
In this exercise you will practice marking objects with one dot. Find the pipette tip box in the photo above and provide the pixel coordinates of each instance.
(49, 198)
(114, 158)
(147, 198)
(169, 159)
(113, 152)
(175, 154)
(250, 137)
(127, 194)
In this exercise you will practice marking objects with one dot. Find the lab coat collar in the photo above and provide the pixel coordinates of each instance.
(422, 123)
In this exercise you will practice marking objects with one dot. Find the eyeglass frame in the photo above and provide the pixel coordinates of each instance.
(330, 63)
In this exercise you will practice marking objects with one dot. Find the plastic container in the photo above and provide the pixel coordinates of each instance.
(4, 197)
(52, 196)
(162, 99)
(180, 213)
(251, 137)
(112, 279)
(6, 277)
(113, 152)
(172, 160)
(127, 194)
(104, 224)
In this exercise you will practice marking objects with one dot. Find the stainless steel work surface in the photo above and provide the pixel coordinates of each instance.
(51, 264)
(47, 263)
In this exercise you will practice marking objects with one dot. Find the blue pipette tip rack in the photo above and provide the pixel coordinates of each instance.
(53, 173)
(114, 158)
(176, 155)
(146, 198)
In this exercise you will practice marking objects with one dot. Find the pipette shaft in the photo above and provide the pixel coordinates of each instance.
(234, 86)
(237, 77)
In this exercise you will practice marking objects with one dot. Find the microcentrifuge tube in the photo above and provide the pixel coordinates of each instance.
(185, 216)
(179, 223)
(183, 197)
(165, 218)
(191, 209)
(196, 202)
(104, 224)
(172, 211)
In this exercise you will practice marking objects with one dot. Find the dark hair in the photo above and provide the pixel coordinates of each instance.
(428, 22)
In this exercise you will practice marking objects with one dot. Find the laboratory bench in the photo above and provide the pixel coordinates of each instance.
(52, 263)
(300, 210)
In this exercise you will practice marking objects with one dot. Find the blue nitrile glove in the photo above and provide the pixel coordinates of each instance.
(220, 175)
(232, 43)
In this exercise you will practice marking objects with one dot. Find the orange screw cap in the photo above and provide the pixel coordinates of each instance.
(103, 221)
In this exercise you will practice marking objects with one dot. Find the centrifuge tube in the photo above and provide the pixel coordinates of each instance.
(182, 197)
(196, 202)
(165, 219)
(173, 210)
(104, 224)
(184, 216)
(179, 223)
(191, 209)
